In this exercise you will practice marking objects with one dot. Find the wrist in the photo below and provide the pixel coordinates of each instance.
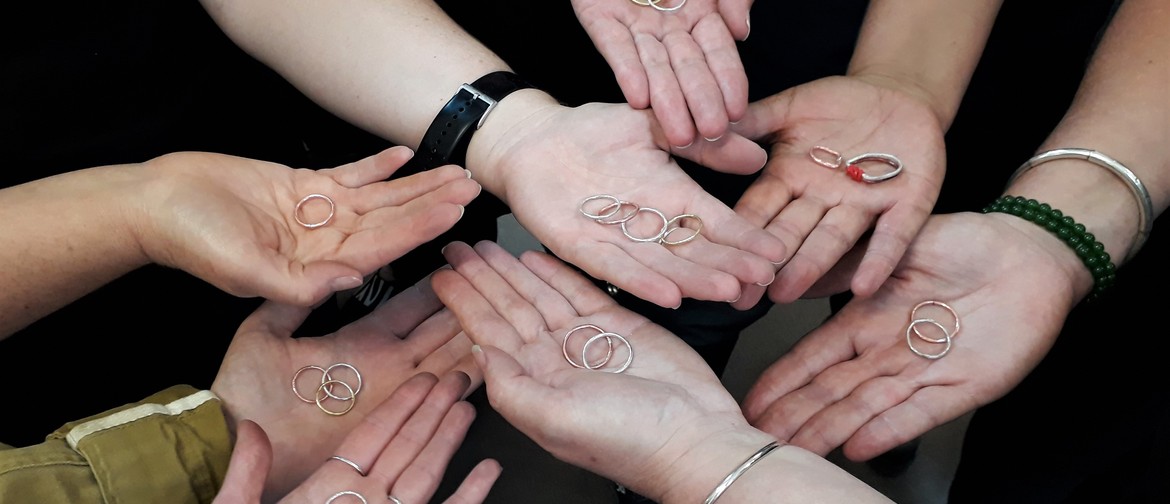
(494, 143)
(942, 109)
(691, 477)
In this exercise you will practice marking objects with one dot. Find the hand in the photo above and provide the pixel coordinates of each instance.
(229, 220)
(404, 445)
(559, 156)
(854, 382)
(821, 213)
(409, 334)
(666, 403)
(684, 64)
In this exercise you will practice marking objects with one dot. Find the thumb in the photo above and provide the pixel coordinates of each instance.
(765, 117)
(248, 467)
(514, 394)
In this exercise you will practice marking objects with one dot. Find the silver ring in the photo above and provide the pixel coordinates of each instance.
(347, 492)
(619, 219)
(349, 404)
(954, 332)
(668, 9)
(657, 237)
(607, 336)
(355, 390)
(920, 353)
(306, 199)
(565, 347)
(394, 499)
(348, 462)
(677, 222)
(859, 175)
(616, 201)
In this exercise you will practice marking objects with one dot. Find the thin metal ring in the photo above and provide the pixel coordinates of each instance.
(324, 377)
(394, 499)
(349, 404)
(667, 9)
(581, 207)
(657, 237)
(859, 175)
(347, 492)
(645, 3)
(329, 392)
(836, 163)
(348, 462)
(607, 336)
(565, 346)
(306, 199)
(920, 353)
(954, 332)
(629, 215)
(678, 220)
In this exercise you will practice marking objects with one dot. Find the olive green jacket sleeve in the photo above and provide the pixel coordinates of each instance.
(172, 447)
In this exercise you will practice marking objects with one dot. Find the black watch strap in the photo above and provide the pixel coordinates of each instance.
(447, 138)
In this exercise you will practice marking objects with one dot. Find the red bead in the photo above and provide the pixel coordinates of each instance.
(854, 173)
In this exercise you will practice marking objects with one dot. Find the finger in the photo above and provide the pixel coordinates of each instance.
(370, 169)
(517, 396)
(666, 97)
(616, 44)
(518, 311)
(366, 441)
(795, 222)
(387, 233)
(550, 304)
(833, 236)
(399, 191)
(724, 227)
(419, 429)
(892, 234)
(832, 426)
(477, 484)
(453, 355)
(747, 268)
(734, 153)
(722, 57)
(750, 295)
(818, 350)
(736, 14)
(613, 263)
(926, 409)
(478, 317)
(248, 468)
(584, 297)
(275, 318)
(421, 478)
(763, 201)
(698, 86)
(402, 313)
(765, 117)
(693, 280)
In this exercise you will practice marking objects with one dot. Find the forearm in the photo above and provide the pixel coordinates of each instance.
(64, 236)
(1122, 109)
(928, 48)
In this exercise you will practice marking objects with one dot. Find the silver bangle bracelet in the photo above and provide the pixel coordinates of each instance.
(747, 464)
(1146, 206)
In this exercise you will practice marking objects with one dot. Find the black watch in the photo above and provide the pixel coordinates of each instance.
(446, 140)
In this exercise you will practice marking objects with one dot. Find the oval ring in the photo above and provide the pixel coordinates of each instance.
(349, 404)
(657, 237)
(347, 492)
(306, 199)
(836, 163)
(348, 462)
(565, 347)
(889, 159)
(324, 376)
(920, 353)
(607, 336)
(329, 391)
(954, 332)
(678, 220)
(616, 201)
(618, 220)
(667, 9)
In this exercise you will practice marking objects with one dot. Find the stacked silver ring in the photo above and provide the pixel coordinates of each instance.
(611, 214)
(325, 389)
(602, 334)
(655, 4)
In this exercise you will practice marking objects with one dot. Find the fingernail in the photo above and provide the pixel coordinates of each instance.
(781, 263)
(461, 210)
(716, 139)
(477, 354)
(346, 283)
(679, 305)
(749, 25)
(736, 298)
(735, 123)
(443, 251)
(467, 172)
(687, 145)
(769, 281)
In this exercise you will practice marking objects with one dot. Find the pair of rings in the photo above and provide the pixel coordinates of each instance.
(325, 389)
(655, 4)
(612, 214)
(299, 211)
(359, 497)
(599, 364)
(852, 169)
(912, 331)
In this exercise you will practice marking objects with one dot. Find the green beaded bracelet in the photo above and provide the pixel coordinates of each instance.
(1086, 246)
